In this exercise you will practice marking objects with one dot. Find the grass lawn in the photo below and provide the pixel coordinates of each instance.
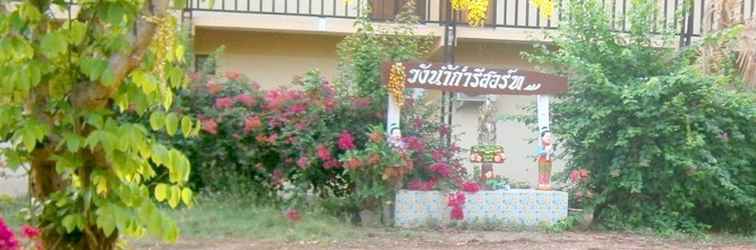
(223, 222)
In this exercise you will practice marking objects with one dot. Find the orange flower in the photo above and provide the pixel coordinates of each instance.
(376, 137)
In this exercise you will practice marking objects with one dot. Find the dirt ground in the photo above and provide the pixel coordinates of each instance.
(468, 240)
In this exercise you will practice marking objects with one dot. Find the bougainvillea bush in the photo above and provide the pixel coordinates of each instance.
(307, 139)
(652, 141)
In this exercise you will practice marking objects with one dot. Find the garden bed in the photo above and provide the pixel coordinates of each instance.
(516, 206)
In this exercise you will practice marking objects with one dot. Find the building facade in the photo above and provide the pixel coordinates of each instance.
(271, 41)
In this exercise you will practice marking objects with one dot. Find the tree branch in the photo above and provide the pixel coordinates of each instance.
(93, 95)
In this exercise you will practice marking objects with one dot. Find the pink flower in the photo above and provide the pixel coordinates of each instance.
(274, 99)
(231, 75)
(418, 123)
(245, 99)
(437, 155)
(470, 187)
(414, 143)
(30, 231)
(329, 105)
(323, 153)
(194, 76)
(254, 85)
(457, 213)
(252, 123)
(578, 175)
(272, 138)
(224, 102)
(346, 141)
(421, 185)
(303, 162)
(293, 215)
(297, 108)
(276, 177)
(7, 238)
(441, 169)
(210, 126)
(444, 130)
(360, 102)
(331, 164)
(213, 88)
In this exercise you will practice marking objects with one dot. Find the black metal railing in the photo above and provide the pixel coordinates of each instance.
(502, 13)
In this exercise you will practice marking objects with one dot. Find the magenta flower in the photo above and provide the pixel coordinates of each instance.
(470, 187)
(441, 169)
(457, 213)
(293, 215)
(7, 238)
(346, 141)
(30, 231)
(224, 102)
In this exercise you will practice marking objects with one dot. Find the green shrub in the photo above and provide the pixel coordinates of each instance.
(665, 146)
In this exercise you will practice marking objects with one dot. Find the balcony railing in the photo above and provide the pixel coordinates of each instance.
(502, 13)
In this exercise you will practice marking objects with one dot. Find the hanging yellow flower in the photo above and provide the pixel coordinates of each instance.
(477, 11)
(396, 83)
(546, 7)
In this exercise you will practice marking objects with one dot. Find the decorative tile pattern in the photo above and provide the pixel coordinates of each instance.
(521, 206)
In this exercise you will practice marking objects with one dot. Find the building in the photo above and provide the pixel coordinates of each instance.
(273, 40)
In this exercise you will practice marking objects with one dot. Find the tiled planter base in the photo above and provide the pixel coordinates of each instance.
(516, 206)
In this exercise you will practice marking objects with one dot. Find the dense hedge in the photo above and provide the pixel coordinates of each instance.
(666, 147)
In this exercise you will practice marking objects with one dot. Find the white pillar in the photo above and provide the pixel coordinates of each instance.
(542, 106)
(394, 115)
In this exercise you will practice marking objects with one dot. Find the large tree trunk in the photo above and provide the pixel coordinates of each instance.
(46, 181)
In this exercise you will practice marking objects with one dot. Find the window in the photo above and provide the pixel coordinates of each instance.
(204, 63)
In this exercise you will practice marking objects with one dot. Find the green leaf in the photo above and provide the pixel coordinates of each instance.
(171, 124)
(53, 44)
(157, 120)
(171, 231)
(77, 32)
(107, 78)
(186, 126)
(161, 192)
(175, 196)
(186, 196)
(147, 82)
(92, 67)
(179, 4)
(73, 141)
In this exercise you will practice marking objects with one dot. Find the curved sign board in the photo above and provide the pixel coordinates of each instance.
(479, 80)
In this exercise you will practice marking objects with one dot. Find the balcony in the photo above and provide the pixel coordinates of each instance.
(515, 20)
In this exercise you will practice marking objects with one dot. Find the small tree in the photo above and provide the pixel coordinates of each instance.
(64, 85)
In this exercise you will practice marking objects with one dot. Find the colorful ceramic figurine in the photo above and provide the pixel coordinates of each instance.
(395, 138)
(545, 154)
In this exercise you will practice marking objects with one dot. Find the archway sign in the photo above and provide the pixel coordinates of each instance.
(472, 80)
